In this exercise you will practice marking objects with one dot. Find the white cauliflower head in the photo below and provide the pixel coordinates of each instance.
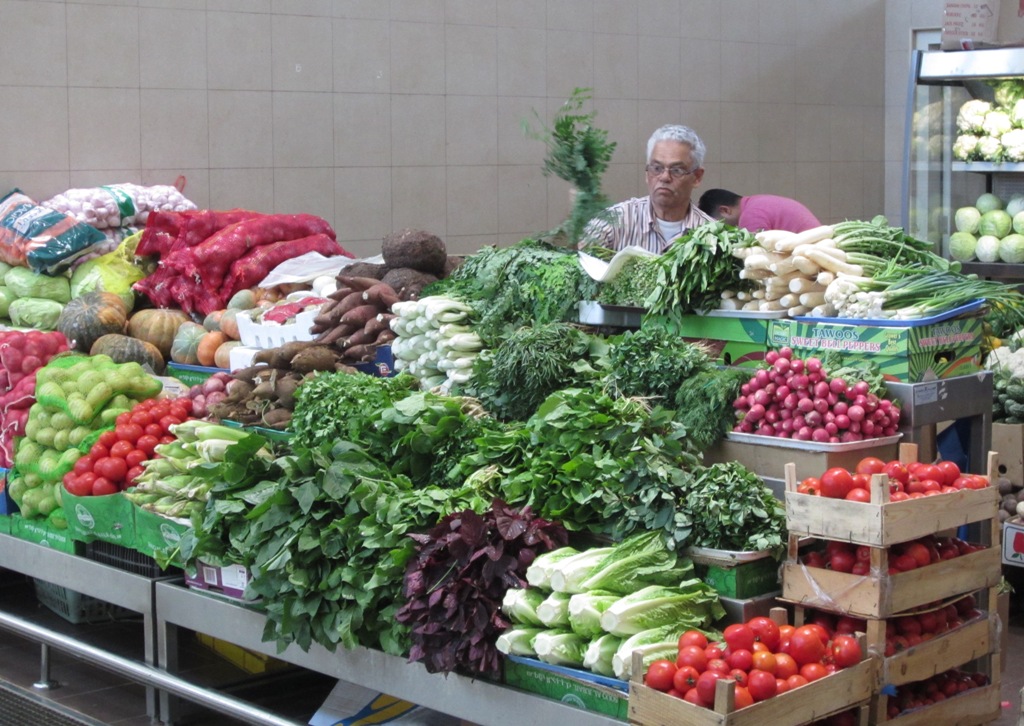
(996, 123)
(965, 148)
(989, 149)
(972, 115)
(1013, 145)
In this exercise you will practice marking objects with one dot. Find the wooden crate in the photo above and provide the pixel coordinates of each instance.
(881, 595)
(881, 522)
(970, 708)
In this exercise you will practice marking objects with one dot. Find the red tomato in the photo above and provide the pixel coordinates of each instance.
(179, 410)
(123, 418)
(796, 681)
(858, 494)
(738, 675)
(976, 481)
(706, 685)
(899, 497)
(761, 685)
(950, 472)
(845, 651)
(765, 661)
(660, 674)
(842, 561)
(806, 645)
(694, 656)
(98, 451)
(141, 418)
(693, 697)
(813, 671)
(742, 697)
(111, 468)
(821, 625)
(929, 471)
(102, 487)
(741, 659)
(738, 636)
(167, 421)
(785, 666)
(160, 409)
(129, 432)
(870, 465)
(781, 686)
(135, 458)
(154, 429)
(765, 631)
(83, 464)
(79, 485)
(122, 448)
(693, 637)
(836, 482)
(718, 665)
(930, 485)
(108, 438)
(919, 552)
(168, 439)
(810, 485)
(714, 650)
(685, 678)
(896, 470)
(147, 444)
(133, 474)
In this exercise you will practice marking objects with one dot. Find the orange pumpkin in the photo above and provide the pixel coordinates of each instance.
(229, 324)
(212, 321)
(208, 344)
(222, 358)
(158, 327)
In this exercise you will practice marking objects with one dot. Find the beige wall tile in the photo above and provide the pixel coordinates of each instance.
(812, 188)
(740, 132)
(417, 57)
(471, 12)
(659, 67)
(174, 129)
(521, 62)
(103, 49)
(241, 129)
(615, 66)
(701, 70)
(524, 14)
(313, 8)
(362, 205)
(615, 16)
(362, 56)
(37, 185)
(701, 19)
(366, 9)
(471, 124)
(777, 178)
(104, 125)
(873, 133)
(119, 3)
(238, 6)
(34, 128)
(417, 130)
(814, 75)
(570, 62)
(813, 126)
(740, 177)
(874, 192)
(660, 17)
(471, 60)
(419, 198)
(514, 145)
(846, 192)
(775, 68)
(559, 203)
(469, 244)
(926, 13)
(302, 54)
(897, 25)
(419, 11)
(304, 190)
(303, 129)
(575, 15)
(776, 140)
(739, 74)
(892, 176)
(174, 54)
(174, 4)
(197, 182)
(99, 177)
(39, 63)
(775, 17)
(244, 188)
(472, 200)
(238, 51)
(624, 181)
(362, 129)
(618, 118)
(740, 20)
(846, 129)
(522, 199)
(897, 78)
(706, 119)
(653, 114)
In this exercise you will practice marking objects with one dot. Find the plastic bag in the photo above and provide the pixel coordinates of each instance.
(117, 205)
(40, 238)
(25, 283)
(7, 296)
(114, 272)
(35, 312)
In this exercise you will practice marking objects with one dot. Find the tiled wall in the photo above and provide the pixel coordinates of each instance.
(380, 114)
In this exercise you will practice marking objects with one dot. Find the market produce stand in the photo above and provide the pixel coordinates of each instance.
(474, 700)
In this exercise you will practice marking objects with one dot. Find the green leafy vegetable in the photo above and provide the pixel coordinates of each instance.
(642, 559)
(652, 362)
(691, 603)
(635, 283)
(704, 404)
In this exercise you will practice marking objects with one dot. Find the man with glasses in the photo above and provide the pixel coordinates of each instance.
(758, 212)
(675, 158)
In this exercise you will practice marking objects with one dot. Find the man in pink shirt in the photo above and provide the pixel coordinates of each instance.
(757, 212)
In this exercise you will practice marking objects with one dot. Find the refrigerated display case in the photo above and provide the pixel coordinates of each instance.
(935, 184)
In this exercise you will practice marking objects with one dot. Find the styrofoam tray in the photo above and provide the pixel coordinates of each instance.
(810, 445)
(748, 314)
(891, 323)
(255, 335)
(709, 555)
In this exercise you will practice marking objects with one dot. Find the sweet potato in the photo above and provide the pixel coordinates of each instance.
(277, 418)
(379, 323)
(360, 353)
(360, 315)
(357, 283)
(340, 293)
(360, 337)
(384, 337)
(351, 301)
(381, 294)
(335, 334)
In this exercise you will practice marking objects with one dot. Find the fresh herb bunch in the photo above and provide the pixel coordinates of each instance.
(636, 282)
(326, 537)
(529, 283)
(531, 364)
(652, 362)
(455, 584)
(697, 268)
(730, 508)
(337, 406)
(597, 463)
(704, 405)
(851, 370)
(579, 153)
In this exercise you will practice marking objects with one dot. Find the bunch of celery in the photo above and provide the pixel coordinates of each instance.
(177, 483)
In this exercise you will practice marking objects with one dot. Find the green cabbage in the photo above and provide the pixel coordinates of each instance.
(599, 654)
(585, 611)
(995, 222)
(693, 604)
(987, 202)
(26, 283)
(967, 219)
(560, 647)
(1018, 223)
(987, 249)
(520, 604)
(1011, 249)
(7, 296)
(962, 246)
(518, 641)
(35, 312)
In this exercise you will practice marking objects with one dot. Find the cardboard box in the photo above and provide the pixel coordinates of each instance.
(1013, 542)
(738, 575)
(228, 581)
(970, 24)
(909, 354)
(108, 518)
(43, 533)
(578, 688)
(734, 341)
(1008, 442)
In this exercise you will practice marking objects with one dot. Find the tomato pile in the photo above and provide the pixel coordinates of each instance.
(856, 559)
(906, 481)
(115, 460)
(762, 658)
(795, 399)
(906, 631)
(933, 690)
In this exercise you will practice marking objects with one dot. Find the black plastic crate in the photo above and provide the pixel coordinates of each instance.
(126, 559)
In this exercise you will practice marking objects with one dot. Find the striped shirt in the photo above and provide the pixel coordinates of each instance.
(632, 222)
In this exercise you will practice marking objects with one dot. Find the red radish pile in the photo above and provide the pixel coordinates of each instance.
(796, 399)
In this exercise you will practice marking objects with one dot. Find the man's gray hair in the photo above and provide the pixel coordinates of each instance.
(682, 134)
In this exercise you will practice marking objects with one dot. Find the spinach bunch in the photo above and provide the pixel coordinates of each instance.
(635, 283)
(652, 362)
(730, 508)
(531, 364)
(594, 462)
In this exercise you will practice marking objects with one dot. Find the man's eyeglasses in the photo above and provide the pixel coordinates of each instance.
(676, 172)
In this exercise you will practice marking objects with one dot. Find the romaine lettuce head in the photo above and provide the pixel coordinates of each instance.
(553, 611)
(568, 574)
(599, 654)
(520, 604)
(538, 574)
(561, 647)
(643, 559)
(692, 603)
(652, 644)
(518, 641)
(585, 611)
